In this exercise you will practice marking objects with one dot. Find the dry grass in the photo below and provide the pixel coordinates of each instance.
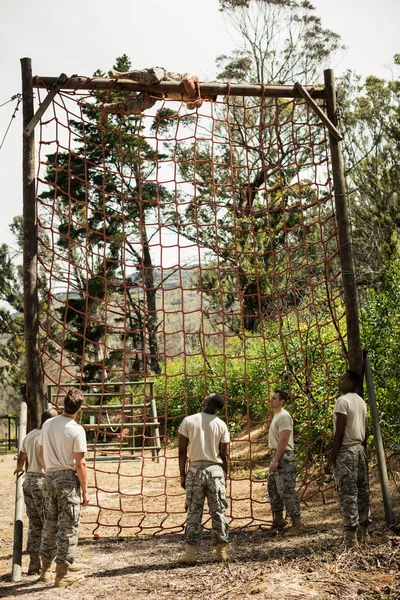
(263, 565)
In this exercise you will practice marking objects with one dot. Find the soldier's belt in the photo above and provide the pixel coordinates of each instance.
(198, 466)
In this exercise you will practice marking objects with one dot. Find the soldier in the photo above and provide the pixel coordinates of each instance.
(142, 101)
(282, 471)
(349, 460)
(204, 442)
(63, 446)
(32, 488)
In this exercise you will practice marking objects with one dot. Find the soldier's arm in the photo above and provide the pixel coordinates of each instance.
(341, 420)
(183, 446)
(22, 456)
(224, 453)
(282, 444)
(81, 471)
(42, 458)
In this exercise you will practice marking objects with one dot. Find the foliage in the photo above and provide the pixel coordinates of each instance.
(106, 256)
(11, 319)
(371, 124)
(267, 202)
(306, 362)
(278, 41)
(381, 336)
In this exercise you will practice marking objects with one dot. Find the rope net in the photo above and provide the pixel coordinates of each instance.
(184, 252)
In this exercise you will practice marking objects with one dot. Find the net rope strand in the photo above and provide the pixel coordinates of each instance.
(180, 253)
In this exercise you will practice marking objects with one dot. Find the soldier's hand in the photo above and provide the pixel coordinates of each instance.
(328, 468)
(273, 467)
(85, 499)
(183, 482)
(18, 472)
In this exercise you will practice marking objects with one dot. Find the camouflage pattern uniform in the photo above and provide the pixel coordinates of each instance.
(33, 496)
(62, 497)
(206, 481)
(137, 104)
(282, 485)
(351, 476)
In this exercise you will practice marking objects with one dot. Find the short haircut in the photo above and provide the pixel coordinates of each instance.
(73, 401)
(216, 401)
(282, 395)
(47, 414)
(355, 377)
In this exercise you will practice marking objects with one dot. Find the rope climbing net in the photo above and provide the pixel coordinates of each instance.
(184, 252)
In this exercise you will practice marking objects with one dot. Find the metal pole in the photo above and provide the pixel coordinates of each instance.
(380, 451)
(19, 501)
(31, 303)
(343, 229)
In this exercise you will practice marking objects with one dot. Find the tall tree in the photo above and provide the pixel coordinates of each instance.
(371, 123)
(259, 153)
(103, 192)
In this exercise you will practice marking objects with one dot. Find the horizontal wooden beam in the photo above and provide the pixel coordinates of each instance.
(214, 89)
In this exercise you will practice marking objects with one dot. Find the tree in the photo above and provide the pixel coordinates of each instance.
(371, 124)
(11, 323)
(250, 170)
(103, 192)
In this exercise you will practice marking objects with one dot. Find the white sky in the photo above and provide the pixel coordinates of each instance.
(81, 36)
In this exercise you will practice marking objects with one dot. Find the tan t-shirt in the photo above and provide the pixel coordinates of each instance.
(31, 448)
(282, 421)
(354, 407)
(60, 438)
(205, 432)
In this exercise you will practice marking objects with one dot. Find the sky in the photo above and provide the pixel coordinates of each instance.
(81, 36)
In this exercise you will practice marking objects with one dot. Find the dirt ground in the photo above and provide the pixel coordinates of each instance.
(262, 565)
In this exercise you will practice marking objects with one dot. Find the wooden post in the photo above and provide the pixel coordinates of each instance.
(342, 221)
(31, 303)
(19, 502)
(380, 451)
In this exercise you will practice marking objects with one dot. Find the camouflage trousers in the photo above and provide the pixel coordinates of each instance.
(202, 482)
(33, 496)
(351, 476)
(282, 486)
(62, 499)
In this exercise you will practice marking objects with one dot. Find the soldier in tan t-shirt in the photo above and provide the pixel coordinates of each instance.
(33, 490)
(349, 460)
(204, 444)
(282, 471)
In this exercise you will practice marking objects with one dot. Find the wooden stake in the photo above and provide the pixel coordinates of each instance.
(16, 573)
(380, 450)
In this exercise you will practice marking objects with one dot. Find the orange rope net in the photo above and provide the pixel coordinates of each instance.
(183, 252)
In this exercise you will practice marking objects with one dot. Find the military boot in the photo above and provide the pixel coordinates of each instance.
(45, 570)
(189, 557)
(295, 529)
(364, 534)
(34, 564)
(76, 567)
(64, 578)
(278, 521)
(222, 552)
(350, 538)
